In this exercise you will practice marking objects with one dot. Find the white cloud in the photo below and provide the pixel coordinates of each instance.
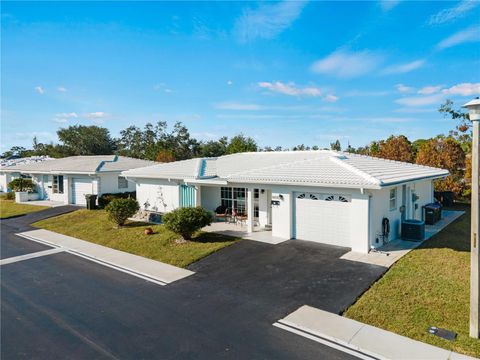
(290, 89)
(61, 89)
(40, 90)
(453, 13)
(471, 34)
(229, 82)
(409, 110)
(388, 5)
(347, 64)
(267, 21)
(96, 115)
(404, 68)
(330, 98)
(64, 117)
(389, 119)
(368, 93)
(465, 89)
(421, 100)
(428, 90)
(404, 89)
(237, 106)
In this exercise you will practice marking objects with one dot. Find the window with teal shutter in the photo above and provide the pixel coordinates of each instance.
(187, 196)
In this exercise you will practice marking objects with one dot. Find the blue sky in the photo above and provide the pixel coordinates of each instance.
(283, 72)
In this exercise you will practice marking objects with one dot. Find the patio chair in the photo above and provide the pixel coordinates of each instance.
(239, 218)
(221, 212)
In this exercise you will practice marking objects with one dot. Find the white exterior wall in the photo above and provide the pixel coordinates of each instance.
(210, 197)
(380, 208)
(161, 195)
(108, 183)
(5, 179)
(264, 200)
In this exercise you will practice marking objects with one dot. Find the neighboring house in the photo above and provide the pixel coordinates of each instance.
(6, 177)
(69, 179)
(325, 196)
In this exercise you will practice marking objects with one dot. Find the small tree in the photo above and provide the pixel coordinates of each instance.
(21, 184)
(119, 210)
(185, 221)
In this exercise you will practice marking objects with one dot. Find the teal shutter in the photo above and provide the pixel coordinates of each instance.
(187, 196)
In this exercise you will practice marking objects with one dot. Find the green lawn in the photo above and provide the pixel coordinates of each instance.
(9, 208)
(93, 226)
(429, 286)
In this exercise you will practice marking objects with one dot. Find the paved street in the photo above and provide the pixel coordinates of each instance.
(64, 306)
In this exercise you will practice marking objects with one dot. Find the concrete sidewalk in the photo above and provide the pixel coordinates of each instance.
(139, 266)
(361, 340)
(394, 250)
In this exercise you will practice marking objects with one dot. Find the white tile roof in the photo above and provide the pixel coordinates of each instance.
(82, 164)
(310, 168)
(23, 161)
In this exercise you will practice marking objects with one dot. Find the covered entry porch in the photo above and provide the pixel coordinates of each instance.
(235, 207)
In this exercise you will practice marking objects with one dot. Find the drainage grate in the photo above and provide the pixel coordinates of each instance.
(443, 333)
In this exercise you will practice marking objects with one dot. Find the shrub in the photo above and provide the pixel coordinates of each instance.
(185, 221)
(119, 210)
(22, 184)
(105, 199)
(8, 196)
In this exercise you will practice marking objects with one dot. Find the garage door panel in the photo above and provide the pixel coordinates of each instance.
(323, 221)
(80, 188)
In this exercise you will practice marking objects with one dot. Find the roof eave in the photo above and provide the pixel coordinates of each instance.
(431, 177)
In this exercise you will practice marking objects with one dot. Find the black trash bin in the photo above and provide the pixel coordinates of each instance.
(91, 201)
(445, 197)
(432, 213)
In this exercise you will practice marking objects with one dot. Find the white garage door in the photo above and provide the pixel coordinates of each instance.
(323, 218)
(80, 188)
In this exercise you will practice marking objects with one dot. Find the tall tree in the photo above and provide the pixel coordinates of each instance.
(396, 148)
(241, 143)
(214, 148)
(445, 153)
(463, 128)
(336, 145)
(87, 140)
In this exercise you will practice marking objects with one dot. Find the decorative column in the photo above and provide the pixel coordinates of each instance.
(250, 208)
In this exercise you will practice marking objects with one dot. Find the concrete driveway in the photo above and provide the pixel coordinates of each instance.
(61, 304)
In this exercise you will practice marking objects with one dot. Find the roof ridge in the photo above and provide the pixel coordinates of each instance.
(355, 170)
(273, 166)
(395, 161)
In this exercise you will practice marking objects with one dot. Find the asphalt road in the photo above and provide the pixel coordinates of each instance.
(63, 306)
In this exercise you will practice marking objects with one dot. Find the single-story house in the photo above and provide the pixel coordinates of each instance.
(69, 179)
(324, 196)
(6, 177)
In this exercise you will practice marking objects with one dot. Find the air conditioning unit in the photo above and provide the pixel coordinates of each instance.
(413, 230)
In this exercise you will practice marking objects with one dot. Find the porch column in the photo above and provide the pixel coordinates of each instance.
(250, 207)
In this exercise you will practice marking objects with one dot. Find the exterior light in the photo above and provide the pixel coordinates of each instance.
(473, 107)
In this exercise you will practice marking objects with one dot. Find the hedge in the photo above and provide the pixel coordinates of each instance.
(105, 199)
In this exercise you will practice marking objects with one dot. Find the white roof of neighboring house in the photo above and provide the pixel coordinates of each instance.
(82, 165)
(23, 161)
(309, 168)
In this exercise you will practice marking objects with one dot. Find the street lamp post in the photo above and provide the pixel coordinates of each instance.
(474, 114)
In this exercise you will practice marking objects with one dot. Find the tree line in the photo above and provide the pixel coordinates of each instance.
(159, 143)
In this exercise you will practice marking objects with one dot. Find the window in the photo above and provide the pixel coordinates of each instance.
(45, 178)
(122, 183)
(393, 199)
(57, 184)
(234, 198)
